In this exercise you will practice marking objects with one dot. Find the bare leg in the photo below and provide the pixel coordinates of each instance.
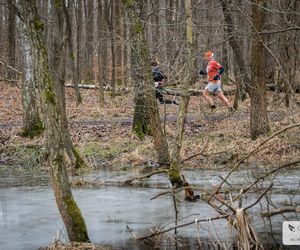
(207, 98)
(223, 98)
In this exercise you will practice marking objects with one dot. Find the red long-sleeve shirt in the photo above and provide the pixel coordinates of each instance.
(212, 70)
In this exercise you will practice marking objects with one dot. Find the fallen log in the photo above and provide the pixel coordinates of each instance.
(92, 86)
(87, 86)
(194, 92)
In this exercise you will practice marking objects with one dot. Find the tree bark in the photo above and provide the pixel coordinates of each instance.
(79, 52)
(259, 124)
(67, 206)
(60, 50)
(71, 53)
(142, 75)
(141, 119)
(237, 51)
(11, 40)
(174, 171)
(32, 124)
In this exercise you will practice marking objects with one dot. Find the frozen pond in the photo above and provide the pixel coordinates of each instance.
(29, 217)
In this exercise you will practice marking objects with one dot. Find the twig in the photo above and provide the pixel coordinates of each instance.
(264, 176)
(224, 180)
(10, 67)
(224, 203)
(280, 211)
(259, 198)
(195, 155)
(182, 225)
(205, 155)
(173, 190)
(247, 156)
(176, 212)
(145, 176)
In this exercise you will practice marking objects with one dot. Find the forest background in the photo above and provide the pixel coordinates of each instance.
(76, 80)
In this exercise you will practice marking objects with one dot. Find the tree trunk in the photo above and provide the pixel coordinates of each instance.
(141, 119)
(101, 52)
(67, 206)
(71, 52)
(174, 171)
(11, 41)
(111, 29)
(32, 124)
(142, 75)
(288, 48)
(237, 52)
(118, 23)
(79, 53)
(89, 29)
(259, 124)
(59, 65)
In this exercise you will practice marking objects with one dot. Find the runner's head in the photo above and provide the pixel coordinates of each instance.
(209, 55)
(154, 62)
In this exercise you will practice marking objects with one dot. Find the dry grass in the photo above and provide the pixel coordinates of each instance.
(247, 237)
(216, 130)
(59, 245)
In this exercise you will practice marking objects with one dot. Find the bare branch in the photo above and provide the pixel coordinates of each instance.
(259, 198)
(280, 211)
(251, 153)
(266, 175)
(183, 225)
(10, 67)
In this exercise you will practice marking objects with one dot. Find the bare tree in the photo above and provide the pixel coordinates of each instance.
(71, 52)
(259, 124)
(67, 206)
(175, 161)
(11, 40)
(242, 78)
(142, 76)
(32, 124)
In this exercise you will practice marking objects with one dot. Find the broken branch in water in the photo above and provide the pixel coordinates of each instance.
(157, 232)
(128, 181)
(280, 211)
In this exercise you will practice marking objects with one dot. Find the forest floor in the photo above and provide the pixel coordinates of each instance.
(104, 135)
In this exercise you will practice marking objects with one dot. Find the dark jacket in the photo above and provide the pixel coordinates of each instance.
(157, 74)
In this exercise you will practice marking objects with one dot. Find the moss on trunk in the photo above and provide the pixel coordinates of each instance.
(174, 174)
(35, 128)
(141, 121)
(79, 162)
(79, 232)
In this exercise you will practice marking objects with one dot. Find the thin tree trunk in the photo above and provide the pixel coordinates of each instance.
(174, 171)
(118, 23)
(89, 32)
(101, 51)
(111, 28)
(32, 124)
(79, 52)
(67, 206)
(60, 44)
(11, 40)
(71, 53)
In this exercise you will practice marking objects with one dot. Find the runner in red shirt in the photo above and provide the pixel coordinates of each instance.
(214, 71)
